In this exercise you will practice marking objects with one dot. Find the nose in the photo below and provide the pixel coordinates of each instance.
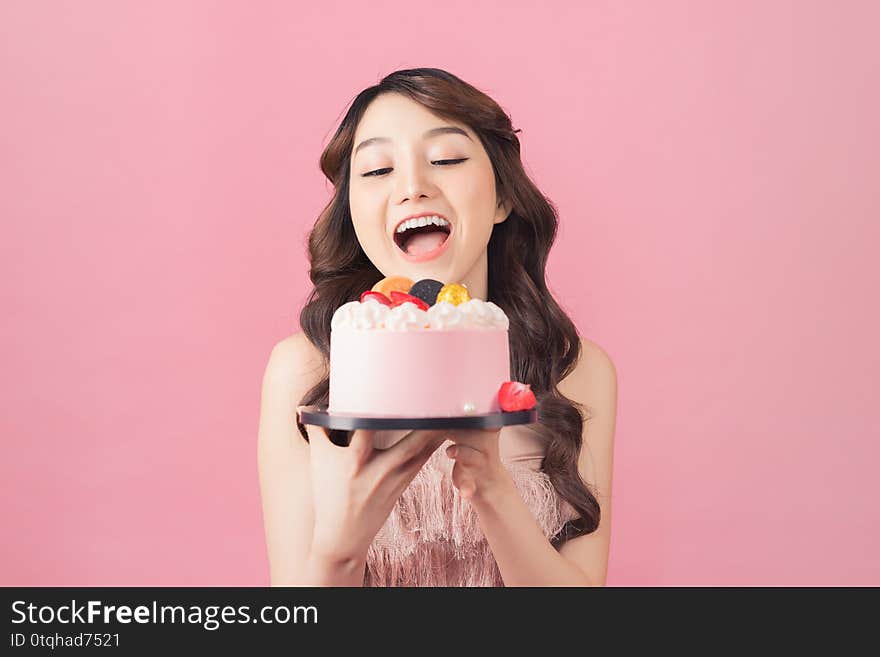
(414, 182)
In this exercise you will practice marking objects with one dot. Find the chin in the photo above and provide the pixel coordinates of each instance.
(418, 273)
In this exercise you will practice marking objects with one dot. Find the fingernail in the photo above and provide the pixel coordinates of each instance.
(451, 451)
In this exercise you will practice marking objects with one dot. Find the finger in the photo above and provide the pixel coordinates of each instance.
(319, 440)
(317, 434)
(361, 444)
(463, 482)
(385, 438)
(409, 468)
(411, 445)
(407, 471)
(425, 452)
(474, 437)
(466, 455)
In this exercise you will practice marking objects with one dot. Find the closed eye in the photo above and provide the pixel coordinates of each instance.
(382, 172)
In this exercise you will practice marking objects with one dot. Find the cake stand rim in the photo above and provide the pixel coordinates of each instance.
(319, 416)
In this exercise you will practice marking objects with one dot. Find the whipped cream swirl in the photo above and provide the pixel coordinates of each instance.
(483, 314)
(442, 316)
(406, 317)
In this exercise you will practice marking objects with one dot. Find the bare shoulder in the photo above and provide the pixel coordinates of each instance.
(594, 376)
(294, 366)
(295, 360)
(593, 383)
(596, 361)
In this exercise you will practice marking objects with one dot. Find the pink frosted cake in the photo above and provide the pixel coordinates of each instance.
(418, 350)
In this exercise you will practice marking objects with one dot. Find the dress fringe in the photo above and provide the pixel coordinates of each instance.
(433, 537)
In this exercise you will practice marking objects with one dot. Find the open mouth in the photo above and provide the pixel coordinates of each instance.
(422, 242)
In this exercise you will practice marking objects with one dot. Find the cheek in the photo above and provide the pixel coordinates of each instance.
(479, 203)
(478, 196)
(359, 203)
(370, 236)
(366, 217)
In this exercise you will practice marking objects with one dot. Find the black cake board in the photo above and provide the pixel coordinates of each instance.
(349, 422)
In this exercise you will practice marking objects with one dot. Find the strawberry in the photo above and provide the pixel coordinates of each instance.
(398, 298)
(376, 296)
(516, 396)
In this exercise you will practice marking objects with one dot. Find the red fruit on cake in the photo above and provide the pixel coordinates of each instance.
(398, 298)
(376, 296)
(516, 396)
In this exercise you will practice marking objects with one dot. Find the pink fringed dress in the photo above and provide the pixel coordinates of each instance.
(433, 537)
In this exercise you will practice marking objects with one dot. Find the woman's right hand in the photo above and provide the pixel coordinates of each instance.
(355, 488)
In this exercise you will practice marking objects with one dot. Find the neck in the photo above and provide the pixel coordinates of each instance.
(477, 279)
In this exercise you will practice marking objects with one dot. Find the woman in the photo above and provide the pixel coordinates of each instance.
(520, 506)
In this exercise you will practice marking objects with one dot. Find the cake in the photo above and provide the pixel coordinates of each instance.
(423, 349)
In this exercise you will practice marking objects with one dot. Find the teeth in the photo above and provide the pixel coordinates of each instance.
(422, 221)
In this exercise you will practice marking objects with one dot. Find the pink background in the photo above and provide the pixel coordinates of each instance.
(716, 170)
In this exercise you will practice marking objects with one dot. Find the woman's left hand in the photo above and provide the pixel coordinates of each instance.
(478, 471)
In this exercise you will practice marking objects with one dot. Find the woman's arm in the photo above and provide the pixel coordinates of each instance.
(283, 460)
(524, 555)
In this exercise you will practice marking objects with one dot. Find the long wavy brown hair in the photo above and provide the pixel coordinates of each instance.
(544, 343)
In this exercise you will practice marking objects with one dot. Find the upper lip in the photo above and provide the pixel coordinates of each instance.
(416, 216)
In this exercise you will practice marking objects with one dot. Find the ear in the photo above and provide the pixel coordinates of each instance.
(502, 211)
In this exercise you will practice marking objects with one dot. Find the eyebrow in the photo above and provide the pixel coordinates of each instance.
(431, 133)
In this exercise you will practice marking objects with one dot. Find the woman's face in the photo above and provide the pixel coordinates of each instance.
(407, 169)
